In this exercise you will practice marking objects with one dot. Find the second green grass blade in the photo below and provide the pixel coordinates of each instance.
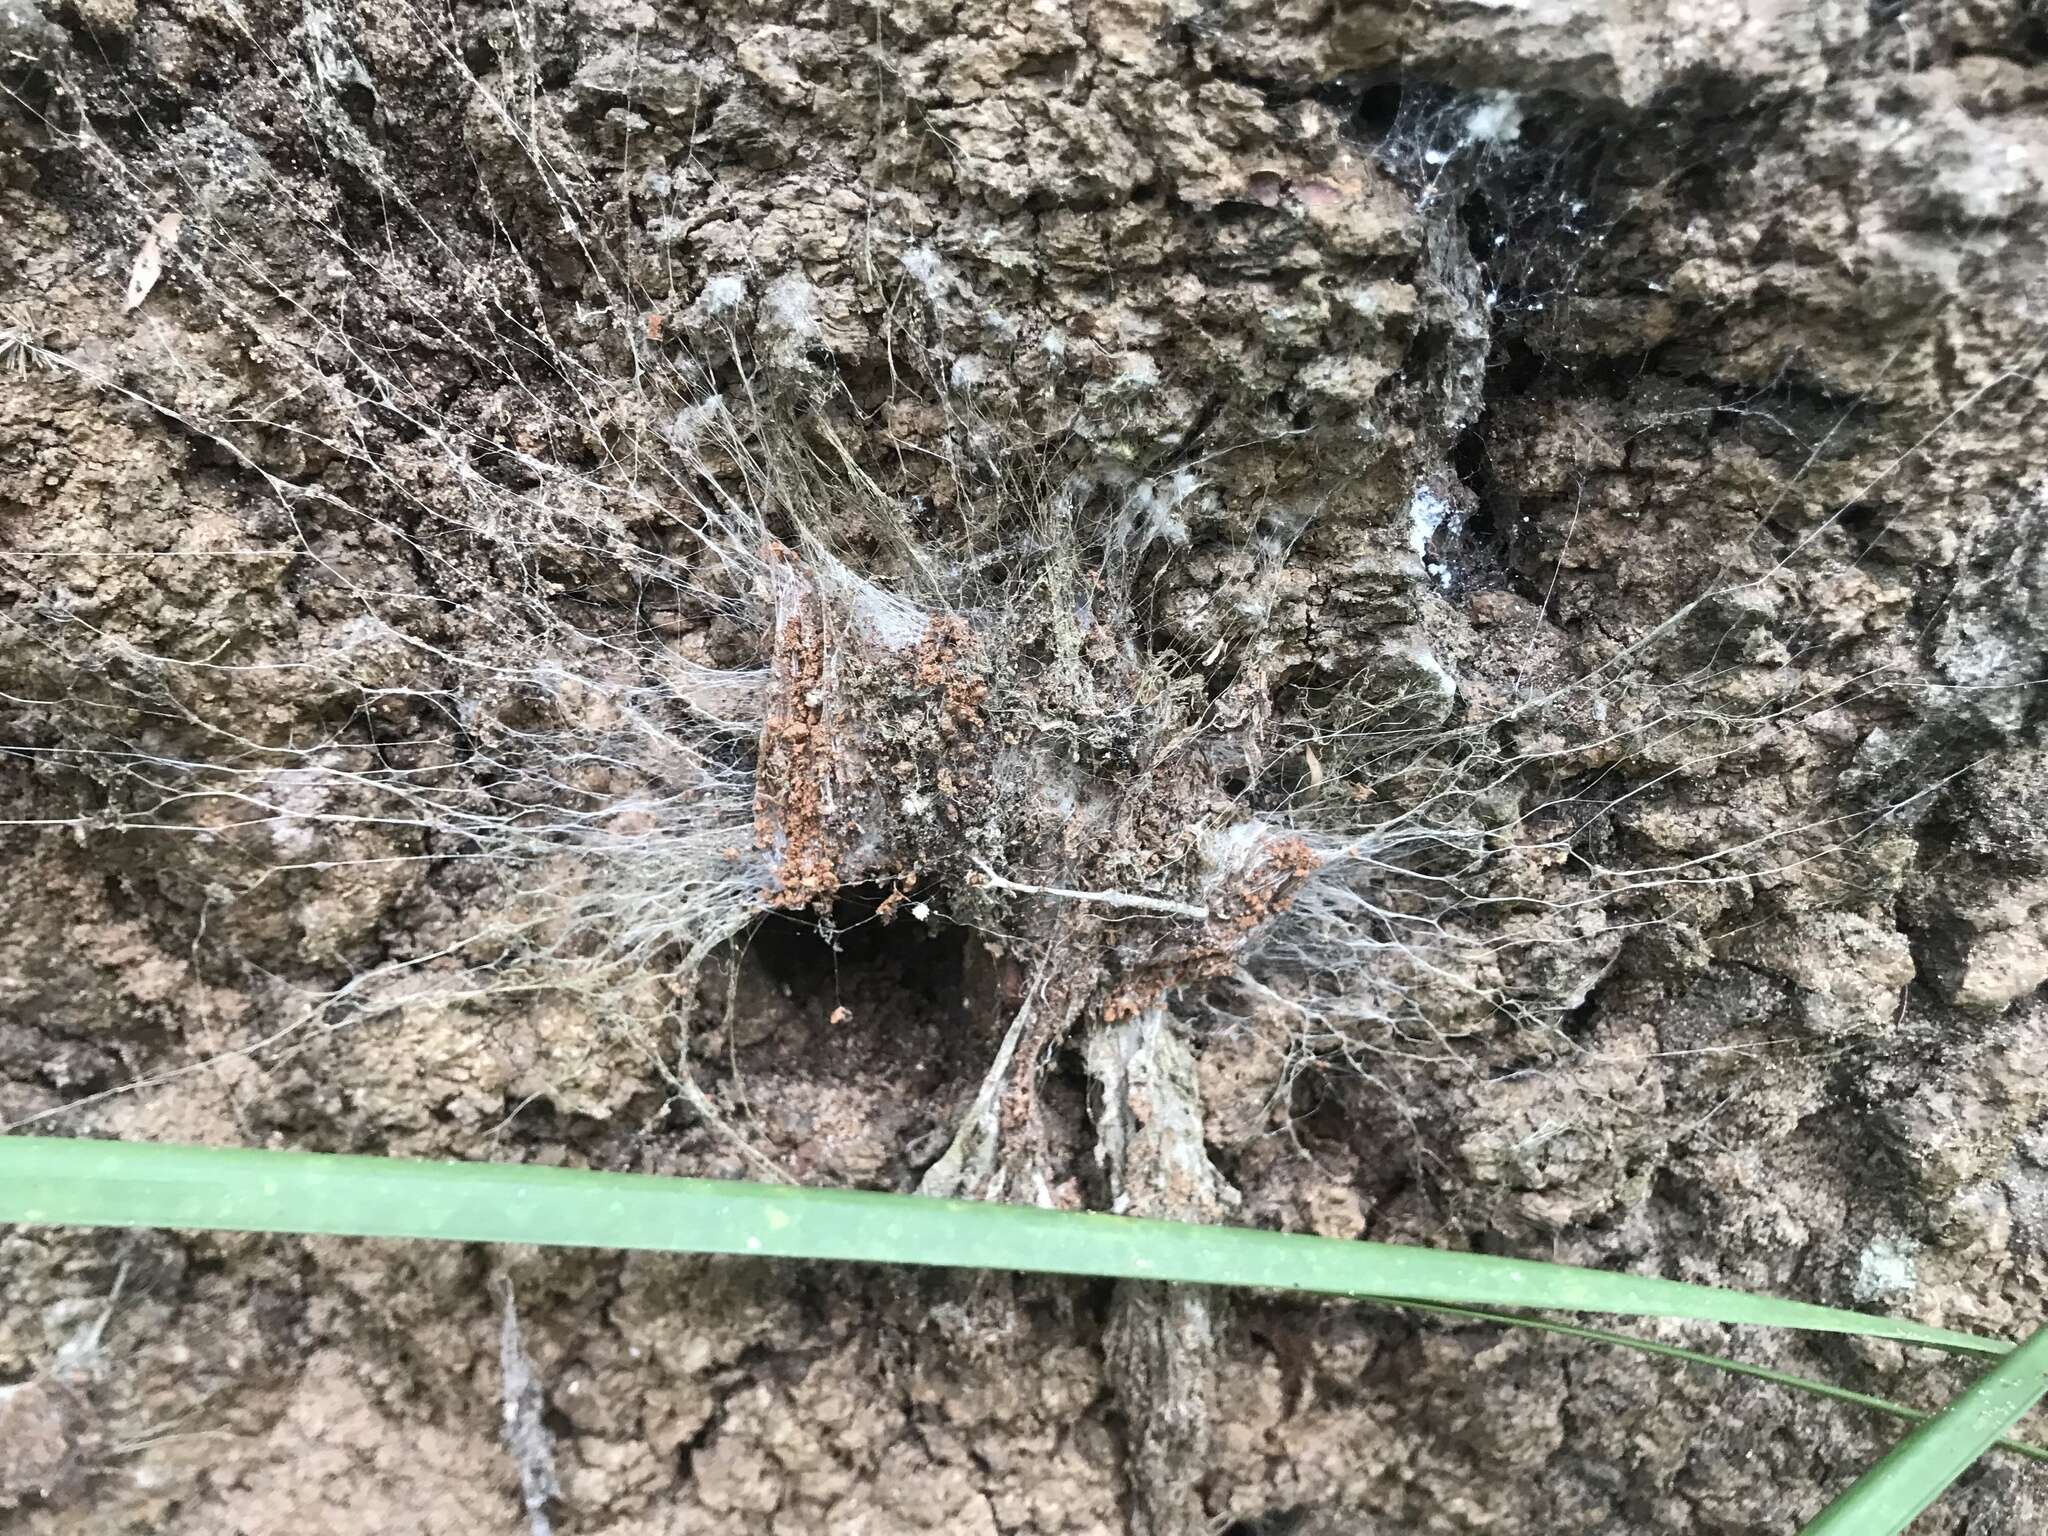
(1787, 1379)
(1884, 1500)
(103, 1183)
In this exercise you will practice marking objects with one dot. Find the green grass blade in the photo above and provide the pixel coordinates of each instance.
(1807, 1384)
(1914, 1473)
(106, 1183)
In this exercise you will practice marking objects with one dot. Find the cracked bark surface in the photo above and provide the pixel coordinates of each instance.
(1640, 402)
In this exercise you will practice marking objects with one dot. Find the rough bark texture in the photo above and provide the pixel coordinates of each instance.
(1433, 608)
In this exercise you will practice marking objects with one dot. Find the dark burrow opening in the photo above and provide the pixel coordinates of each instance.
(866, 938)
(850, 1040)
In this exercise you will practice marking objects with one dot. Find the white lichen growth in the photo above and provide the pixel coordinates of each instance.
(926, 268)
(1886, 1268)
(790, 307)
(1496, 119)
(723, 294)
(1137, 372)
